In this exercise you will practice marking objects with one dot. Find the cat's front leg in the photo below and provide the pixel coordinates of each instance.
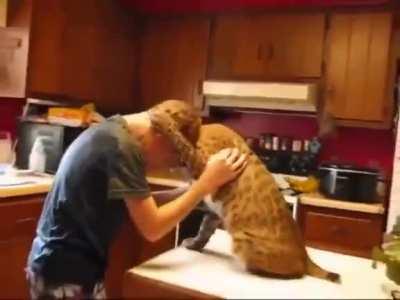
(209, 224)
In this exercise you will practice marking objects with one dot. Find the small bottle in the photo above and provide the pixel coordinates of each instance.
(286, 144)
(306, 145)
(37, 157)
(275, 143)
(297, 146)
(268, 142)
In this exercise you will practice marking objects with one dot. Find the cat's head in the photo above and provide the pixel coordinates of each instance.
(171, 116)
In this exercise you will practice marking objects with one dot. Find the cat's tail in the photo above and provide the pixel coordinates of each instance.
(316, 271)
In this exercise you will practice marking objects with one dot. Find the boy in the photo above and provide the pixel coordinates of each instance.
(101, 178)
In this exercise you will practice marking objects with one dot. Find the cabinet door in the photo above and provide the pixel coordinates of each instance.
(282, 46)
(85, 51)
(342, 231)
(14, 45)
(47, 49)
(357, 66)
(18, 220)
(3, 13)
(173, 60)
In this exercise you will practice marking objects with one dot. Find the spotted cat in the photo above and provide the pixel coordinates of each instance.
(265, 237)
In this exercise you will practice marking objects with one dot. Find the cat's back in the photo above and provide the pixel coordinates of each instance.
(214, 137)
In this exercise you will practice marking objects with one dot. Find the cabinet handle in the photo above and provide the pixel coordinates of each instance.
(271, 51)
(197, 95)
(337, 230)
(12, 43)
(200, 87)
(25, 220)
(260, 52)
(25, 225)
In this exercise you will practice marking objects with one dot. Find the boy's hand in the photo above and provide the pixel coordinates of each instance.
(221, 168)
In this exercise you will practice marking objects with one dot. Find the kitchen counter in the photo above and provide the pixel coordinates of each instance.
(174, 178)
(316, 199)
(21, 185)
(215, 274)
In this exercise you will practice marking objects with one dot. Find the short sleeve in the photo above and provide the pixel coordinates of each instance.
(128, 177)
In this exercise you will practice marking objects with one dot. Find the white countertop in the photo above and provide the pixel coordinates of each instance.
(21, 185)
(215, 272)
(319, 200)
(42, 184)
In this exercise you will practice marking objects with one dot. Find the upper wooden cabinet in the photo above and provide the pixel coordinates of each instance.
(86, 51)
(279, 46)
(14, 45)
(3, 12)
(173, 60)
(15, 13)
(358, 64)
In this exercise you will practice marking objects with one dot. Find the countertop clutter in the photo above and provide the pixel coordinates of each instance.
(29, 183)
(21, 185)
(215, 273)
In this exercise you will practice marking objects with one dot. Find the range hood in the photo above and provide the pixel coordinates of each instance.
(261, 95)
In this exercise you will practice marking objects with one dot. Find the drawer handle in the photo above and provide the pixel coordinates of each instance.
(25, 220)
(337, 230)
(25, 226)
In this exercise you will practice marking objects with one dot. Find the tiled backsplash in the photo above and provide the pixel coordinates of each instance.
(364, 147)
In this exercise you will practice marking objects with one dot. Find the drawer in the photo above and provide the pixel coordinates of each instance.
(18, 218)
(342, 231)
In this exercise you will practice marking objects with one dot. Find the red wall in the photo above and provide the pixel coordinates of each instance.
(364, 147)
(201, 6)
(10, 109)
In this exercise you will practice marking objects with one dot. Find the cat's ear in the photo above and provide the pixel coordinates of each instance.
(177, 115)
(165, 124)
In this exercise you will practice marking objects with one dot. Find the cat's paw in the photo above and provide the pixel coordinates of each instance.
(192, 244)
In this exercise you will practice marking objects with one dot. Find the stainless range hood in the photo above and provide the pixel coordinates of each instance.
(261, 95)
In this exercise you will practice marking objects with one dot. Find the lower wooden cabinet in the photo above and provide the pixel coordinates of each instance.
(348, 232)
(128, 250)
(18, 221)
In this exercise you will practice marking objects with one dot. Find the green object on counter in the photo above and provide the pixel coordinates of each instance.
(396, 227)
(389, 254)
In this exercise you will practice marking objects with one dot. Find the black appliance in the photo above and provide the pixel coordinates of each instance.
(348, 182)
(58, 138)
(290, 159)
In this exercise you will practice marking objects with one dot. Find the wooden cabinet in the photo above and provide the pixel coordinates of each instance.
(348, 232)
(84, 51)
(18, 220)
(267, 47)
(8, 11)
(173, 60)
(128, 250)
(14, 45)
(357, 72)
(3, 13)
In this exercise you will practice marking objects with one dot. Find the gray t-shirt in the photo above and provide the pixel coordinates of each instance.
(85, 206)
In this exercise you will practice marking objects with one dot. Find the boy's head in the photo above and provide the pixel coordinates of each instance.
(172, 116)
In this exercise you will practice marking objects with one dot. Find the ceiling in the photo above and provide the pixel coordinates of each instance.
(209, 6)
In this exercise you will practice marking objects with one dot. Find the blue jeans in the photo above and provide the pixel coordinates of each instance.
(39, 289)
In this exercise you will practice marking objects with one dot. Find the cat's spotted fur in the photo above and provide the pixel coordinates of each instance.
(265, 237)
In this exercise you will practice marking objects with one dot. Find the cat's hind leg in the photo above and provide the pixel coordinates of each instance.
(269, 259)
(209, 224)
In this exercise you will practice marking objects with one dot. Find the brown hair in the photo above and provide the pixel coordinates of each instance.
(178, 115)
